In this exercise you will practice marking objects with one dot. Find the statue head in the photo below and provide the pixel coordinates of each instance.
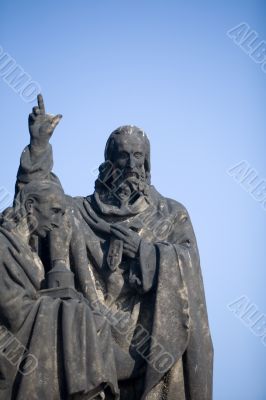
(128, 147)
(126, 169)
(41, 204)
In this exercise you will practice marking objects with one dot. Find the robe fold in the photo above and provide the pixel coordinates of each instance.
(159, 293)
(50, 349)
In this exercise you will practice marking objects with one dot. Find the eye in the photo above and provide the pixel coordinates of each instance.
(123, 155)
(138, 154)
(56, 210)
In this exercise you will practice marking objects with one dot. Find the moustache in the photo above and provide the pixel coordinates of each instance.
(132, 173)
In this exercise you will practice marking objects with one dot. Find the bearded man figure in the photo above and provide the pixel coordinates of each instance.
(135, 259)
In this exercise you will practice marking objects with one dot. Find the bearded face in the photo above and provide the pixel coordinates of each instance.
(126, 178)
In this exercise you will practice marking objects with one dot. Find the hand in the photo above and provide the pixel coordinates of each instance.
(60, 238)
(41, 125)
(130, 239)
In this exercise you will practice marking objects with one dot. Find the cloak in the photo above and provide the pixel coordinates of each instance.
(155, 303)
(50, 349)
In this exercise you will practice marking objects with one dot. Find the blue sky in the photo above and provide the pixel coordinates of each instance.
(169, 67)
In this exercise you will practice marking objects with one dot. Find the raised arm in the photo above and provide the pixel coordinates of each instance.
(36, 161)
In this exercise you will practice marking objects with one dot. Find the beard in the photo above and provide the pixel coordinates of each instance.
(122, 187)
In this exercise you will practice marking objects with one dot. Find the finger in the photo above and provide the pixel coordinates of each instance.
(36, 110)
(32, 118)
(118, 234)
(55, 120)
(129, 254)
(41, 104)
(129, 247)
(121, 229)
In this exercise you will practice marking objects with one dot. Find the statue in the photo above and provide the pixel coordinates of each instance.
(135, 261)
(51, 348)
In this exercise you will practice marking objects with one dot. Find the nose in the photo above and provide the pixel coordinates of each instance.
(56, 221)
(131, 161)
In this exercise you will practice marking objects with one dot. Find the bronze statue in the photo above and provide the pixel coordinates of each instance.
(50, 348)
(135, 261)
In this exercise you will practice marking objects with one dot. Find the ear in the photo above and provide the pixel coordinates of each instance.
(29, 203)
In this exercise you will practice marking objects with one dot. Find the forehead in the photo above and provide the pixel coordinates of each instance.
(130, 143)
(56, 199)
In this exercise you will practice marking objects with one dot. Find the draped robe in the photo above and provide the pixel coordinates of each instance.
(158, 295)
(50, 349)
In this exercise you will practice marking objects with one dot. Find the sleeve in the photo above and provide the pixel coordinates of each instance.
(36, 163)
(143, 270)
(179, 233)
(17, 297)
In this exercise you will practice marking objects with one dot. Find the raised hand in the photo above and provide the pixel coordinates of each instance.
(42, 125)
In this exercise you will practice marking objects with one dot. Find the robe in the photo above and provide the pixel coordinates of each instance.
(155, 303)
(50, 349)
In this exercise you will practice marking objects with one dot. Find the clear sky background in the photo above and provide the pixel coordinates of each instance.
(169, 67)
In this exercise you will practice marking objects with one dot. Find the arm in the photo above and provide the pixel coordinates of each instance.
(36, 163)
(18, 294)
(37, 158)
(144, 252)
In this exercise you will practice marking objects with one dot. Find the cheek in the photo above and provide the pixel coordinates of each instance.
(140, 164)
(120, 164)
(44, 217)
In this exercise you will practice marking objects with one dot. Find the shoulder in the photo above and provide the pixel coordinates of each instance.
(170, 206)
(174, 205)
(7, 241)
(180, 227)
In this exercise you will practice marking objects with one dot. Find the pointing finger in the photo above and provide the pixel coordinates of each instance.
(41, 104)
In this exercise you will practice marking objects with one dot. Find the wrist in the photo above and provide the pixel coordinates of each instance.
(39, 144)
